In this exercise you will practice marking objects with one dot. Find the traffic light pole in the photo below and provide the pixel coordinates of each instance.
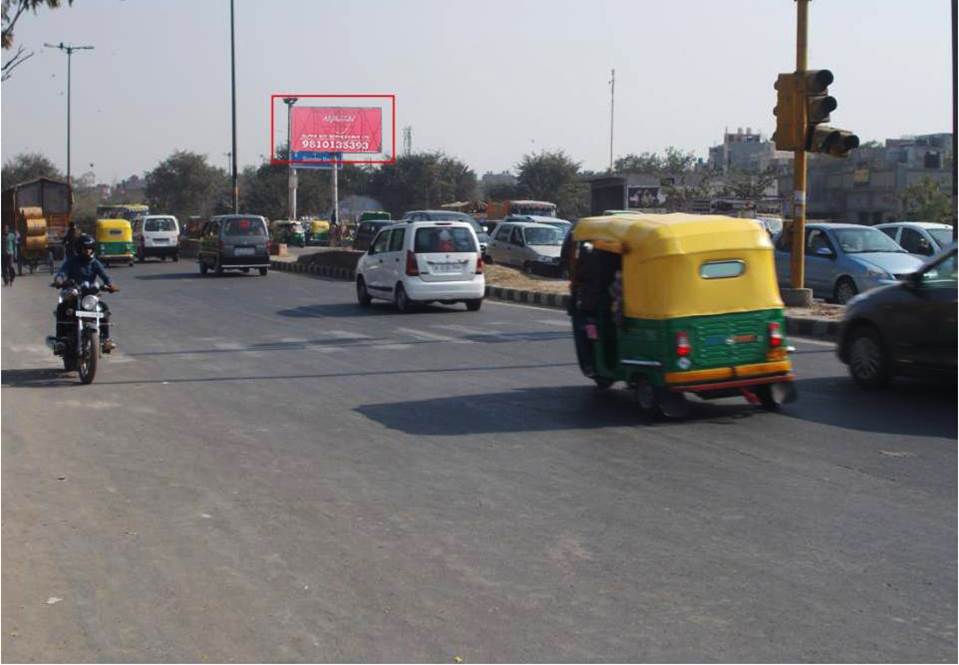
(798, 295)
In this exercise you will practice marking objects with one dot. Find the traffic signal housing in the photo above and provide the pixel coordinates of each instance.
(821, 137)
(790, 133)
(831, 141)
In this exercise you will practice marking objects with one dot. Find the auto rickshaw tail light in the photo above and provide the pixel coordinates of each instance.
(683, 348)
(775, 337)
(412, 269)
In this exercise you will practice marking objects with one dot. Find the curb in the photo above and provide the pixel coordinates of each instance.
(803, 326)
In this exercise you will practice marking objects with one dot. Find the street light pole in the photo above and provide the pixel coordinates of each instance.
(290, 101)
(236, 189)
(68, 49)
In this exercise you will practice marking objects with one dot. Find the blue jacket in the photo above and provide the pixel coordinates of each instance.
(80, 270)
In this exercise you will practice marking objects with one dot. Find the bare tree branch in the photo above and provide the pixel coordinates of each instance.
(18, 59)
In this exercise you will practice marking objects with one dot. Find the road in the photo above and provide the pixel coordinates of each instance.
(265, 472)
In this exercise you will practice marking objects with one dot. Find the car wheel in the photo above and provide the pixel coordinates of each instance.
(845, 290)
(176, 257)
(868, 364)
(263, 272)
(218, 268)
(203, 267)
(401, 300)
(528, 267)
(362, 295)
(474, 305)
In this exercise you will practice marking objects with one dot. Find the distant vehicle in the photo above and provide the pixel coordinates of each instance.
(907, 328)
(418, 262)
(843, 260)
(366, 231)
(924, 239)
(531, 246)
(369, 215)
(156, 235)
(773, 225)
(503, 209)
(234, 242)
(562, 224)
(440, 215)
(127, 211)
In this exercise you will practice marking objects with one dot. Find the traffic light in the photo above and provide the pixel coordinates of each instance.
(819, 104)
(790, 133)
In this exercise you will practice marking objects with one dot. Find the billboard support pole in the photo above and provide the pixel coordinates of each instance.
(290, 101)
(336, 198)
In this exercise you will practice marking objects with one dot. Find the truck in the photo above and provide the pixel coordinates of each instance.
(40, 211)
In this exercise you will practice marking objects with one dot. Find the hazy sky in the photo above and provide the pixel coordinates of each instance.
(484, 81)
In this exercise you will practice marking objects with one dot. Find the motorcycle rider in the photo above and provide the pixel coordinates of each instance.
(84, 267)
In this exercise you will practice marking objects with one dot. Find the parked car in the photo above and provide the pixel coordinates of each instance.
(419, 262)
(924, 239)
(156, 235)
(561, 224)
(439, 215)
(908, 328)
(366, 231)
(234, 242)
(531, 246)
(845, 259)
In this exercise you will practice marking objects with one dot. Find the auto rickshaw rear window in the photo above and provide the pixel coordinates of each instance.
(245, 227)
(116, 232)
(722, 269)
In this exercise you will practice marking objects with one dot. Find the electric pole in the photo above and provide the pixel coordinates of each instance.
(68, 49)
(290, 101)
(612, 101)
(236, 188)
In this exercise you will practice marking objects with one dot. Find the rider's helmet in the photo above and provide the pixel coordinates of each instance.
(85, 242)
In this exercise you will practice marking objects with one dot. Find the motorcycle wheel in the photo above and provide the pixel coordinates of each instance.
(89, 356)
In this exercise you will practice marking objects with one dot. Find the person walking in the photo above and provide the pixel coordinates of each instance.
(9, 252)
(70, 241)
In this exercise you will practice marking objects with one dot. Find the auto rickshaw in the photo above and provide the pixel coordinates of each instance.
(676, 304)
(289, 232)
(318, 232)
(114, 241)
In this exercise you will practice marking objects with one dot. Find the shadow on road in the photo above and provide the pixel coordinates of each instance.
(37, 378)
(171, 276)
(353, 310)
(906, 407)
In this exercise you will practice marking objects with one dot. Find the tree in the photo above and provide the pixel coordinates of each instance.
(673, 160)
(422, 181)
(926, 202)
(501, 191)
(553, 176)
(28, 166)
(11, 12)
(184, 184)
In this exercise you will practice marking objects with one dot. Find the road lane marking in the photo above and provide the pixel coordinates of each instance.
(564, 323)
(346, 334)
(433, 337)
(390, 347)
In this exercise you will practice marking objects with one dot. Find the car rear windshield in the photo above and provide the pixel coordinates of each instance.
(161, 224)
(444, 239)
(244, 227)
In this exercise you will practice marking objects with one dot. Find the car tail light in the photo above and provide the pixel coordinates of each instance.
(412, 269)
(683, 347)
(479, 265)
(775, 337)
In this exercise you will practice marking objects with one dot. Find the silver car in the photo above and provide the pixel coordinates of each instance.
(924, 239)
(531, 246)
(845, 259)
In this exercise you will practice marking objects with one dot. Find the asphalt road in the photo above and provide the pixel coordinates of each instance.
(265, 472)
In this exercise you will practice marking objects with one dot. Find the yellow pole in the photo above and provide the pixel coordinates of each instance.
(797, 266)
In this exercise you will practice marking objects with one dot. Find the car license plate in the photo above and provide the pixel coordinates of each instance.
(244, 251)
(161, 241)
(446, 267)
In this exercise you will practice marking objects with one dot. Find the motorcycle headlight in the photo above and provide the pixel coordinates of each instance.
(89, 303)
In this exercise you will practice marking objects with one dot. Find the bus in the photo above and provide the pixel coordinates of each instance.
(501, 209)
(127, 211)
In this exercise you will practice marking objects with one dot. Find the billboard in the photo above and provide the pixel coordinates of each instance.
(336, 129)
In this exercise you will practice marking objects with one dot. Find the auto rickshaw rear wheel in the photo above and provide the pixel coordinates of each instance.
(602, 383)
(646, 396)
(766, 399)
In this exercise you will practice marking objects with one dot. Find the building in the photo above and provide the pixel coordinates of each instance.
(867, 187)
(746, 152)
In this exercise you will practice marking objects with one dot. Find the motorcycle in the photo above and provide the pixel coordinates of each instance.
(77, 341)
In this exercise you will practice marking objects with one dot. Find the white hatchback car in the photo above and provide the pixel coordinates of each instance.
(420, 262)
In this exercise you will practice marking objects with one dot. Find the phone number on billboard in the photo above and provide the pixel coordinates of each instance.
(335, 145)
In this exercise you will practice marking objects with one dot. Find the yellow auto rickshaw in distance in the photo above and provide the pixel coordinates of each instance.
(678, 304)
(318, 232)
(114, 241)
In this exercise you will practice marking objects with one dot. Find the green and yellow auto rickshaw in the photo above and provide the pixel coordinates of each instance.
(677, 304)
(289, 232)
(114, 241)
(319, 232)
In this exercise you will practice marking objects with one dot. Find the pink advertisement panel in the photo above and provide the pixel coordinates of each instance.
(337, 129)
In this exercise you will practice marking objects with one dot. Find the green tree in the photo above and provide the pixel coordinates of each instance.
(185, 184)
(925, 201)
(501, 191)
(553, 176)
(10, 13)
(673, 160)
(28, 166)
(422, 181)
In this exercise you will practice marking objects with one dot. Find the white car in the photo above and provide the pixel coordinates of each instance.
(157, 235)
(924, 239)
(420, 262)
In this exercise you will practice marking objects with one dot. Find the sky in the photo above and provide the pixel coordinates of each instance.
(485, 82)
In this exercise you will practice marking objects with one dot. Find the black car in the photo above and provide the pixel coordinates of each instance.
(907, 328)
(366, 231)
(234, 242)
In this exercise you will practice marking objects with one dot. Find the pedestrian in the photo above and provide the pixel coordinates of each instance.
(9, 251)
(70, 240)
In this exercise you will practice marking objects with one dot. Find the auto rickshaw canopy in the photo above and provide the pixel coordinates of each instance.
(114, 230)
(319, 226)
(679, 264)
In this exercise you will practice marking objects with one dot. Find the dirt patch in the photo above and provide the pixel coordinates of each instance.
(512, 278)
